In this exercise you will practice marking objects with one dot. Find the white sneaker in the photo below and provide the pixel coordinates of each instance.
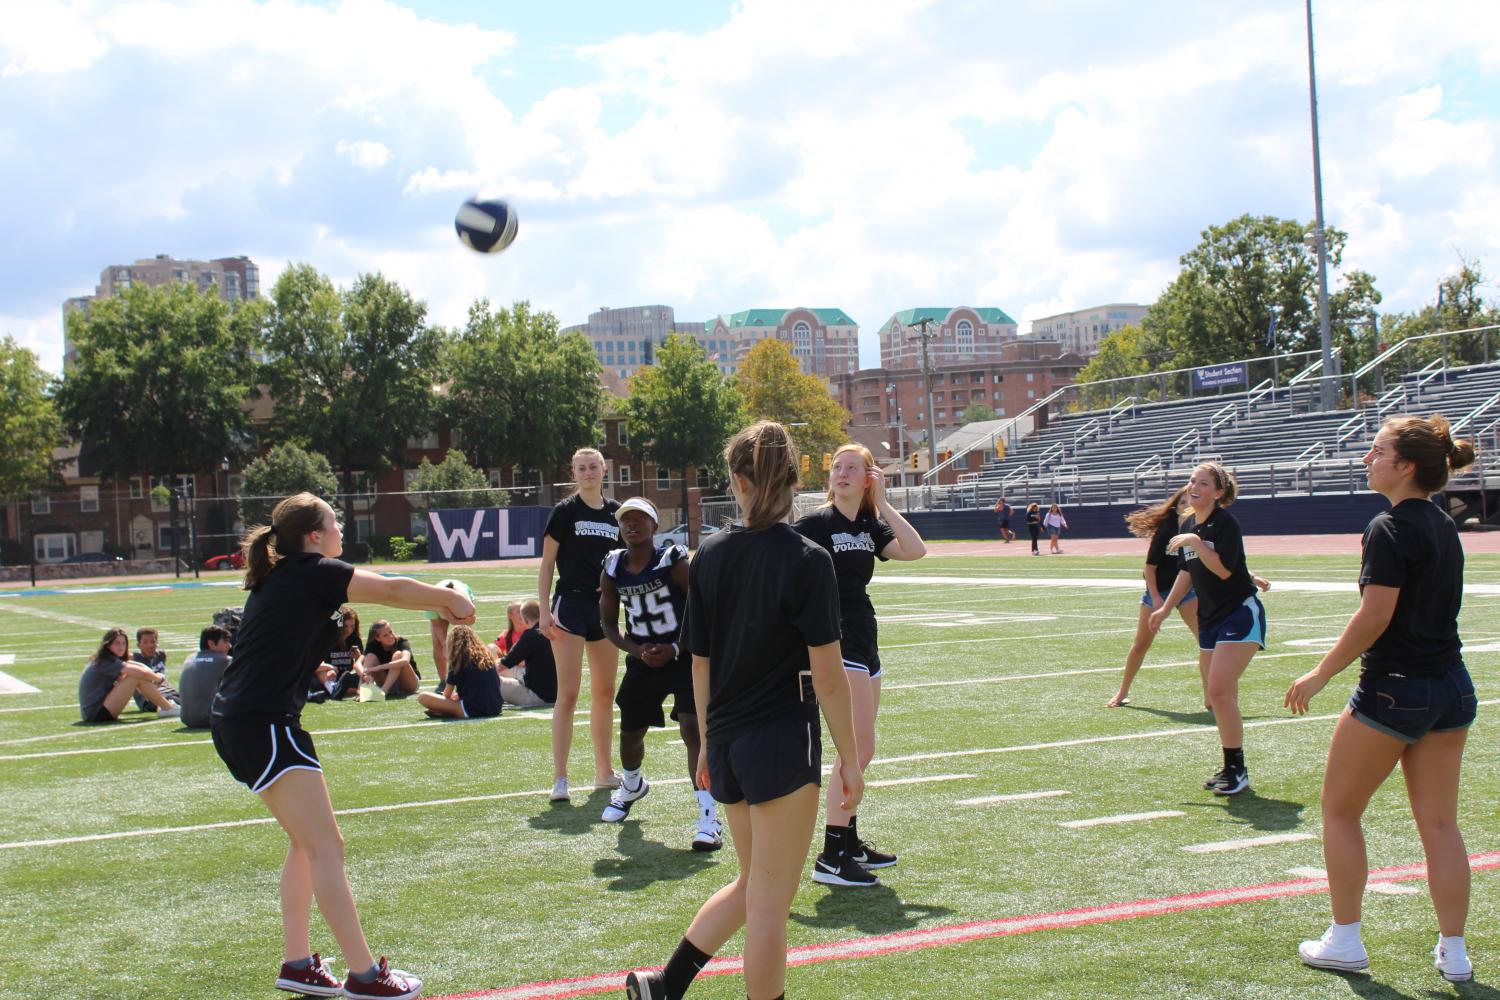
(1453, 965)
(174, 712)
(621, 801)
(709, 835)
(613, 781)
(560, 790)
(1324, 954)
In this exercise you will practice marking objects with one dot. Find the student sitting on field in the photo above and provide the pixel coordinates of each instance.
(200, 676)
(514, 626)
(109, 680)
(148, 653)
(472, 690)
(341, 673)
(389, 661)
(528, 674)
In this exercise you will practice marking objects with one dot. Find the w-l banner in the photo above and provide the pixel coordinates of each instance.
(485, 533)
(1215, 376)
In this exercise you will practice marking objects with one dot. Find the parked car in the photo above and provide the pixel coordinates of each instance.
(679, 534)
(234, 560)
(93, 557)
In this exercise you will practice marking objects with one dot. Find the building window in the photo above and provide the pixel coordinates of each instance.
(1031, 394)
(964, 336)
(164, 538)
(423, 442)
(236, 485)
(624, 475)
(1031, 376)
(364, 528)
(622, 435)
(704, 482)
(54, 548)
(41, 503)
(88, 499)
(663, 477)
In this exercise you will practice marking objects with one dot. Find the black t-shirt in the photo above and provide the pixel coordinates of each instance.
(478, 689)
(1167, 565)
(1218, 598)
(1414, 546)
(386, 653)
(756, 601)
(535, 651)
(288, 626)
(584, 536)
(854, 546)
(342, 658)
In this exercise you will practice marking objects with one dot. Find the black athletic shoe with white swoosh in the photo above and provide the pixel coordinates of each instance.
(865, 854)
(645, 986)
(1230, 781)
(841, 869)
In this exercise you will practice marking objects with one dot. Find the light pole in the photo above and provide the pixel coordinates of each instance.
(890, 390)
(921, 326)
(228, 514)
(1324, 333)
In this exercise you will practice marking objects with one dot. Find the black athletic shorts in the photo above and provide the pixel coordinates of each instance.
(260, 752)
(578, 614)
(644, 689)
(774, 759)
(858, 645)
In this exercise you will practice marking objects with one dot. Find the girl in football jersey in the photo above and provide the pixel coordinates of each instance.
(856, 526)
(297, 584)
(1415, 700)
(580, 532)
(1231, 619)
(763, 629)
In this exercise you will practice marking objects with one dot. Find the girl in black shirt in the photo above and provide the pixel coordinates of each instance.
(1034, 526)
(580, 532)
(1231, 619)
(1415, 699)
(389, 661)
(762, 619)
(856, 526)
(297, 585)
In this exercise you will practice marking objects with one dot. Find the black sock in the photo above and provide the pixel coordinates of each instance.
(853, 835)
(686, 962)
(1234, 758)
(834, 840)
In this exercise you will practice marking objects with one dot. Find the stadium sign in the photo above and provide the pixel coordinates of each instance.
(1214, 376)
(485, 533)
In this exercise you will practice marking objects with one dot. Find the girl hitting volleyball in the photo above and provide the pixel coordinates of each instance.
(763, 628)
(856, 526)
(297, 584)
(1415, 700)
(472, 687)
(1231, 619)
(580, 532)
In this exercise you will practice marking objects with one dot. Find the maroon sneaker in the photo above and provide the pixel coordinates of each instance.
(316, 980)
(388, 984)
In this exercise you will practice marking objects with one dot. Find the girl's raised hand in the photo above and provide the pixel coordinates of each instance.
(875, 483)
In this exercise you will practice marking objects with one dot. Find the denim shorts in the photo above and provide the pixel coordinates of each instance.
(1409, 708)
(1188, 598)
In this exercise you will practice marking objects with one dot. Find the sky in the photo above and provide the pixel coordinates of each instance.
(870, 155)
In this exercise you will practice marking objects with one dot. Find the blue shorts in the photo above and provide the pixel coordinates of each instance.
(1192, 595)
(1409, 708)
(1246, 623)
(578, 614)
(776, 758)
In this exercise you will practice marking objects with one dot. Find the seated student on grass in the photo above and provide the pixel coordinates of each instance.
(472, 689)
(341, 673)
(514, 626)
(200, 676)
(148, 653)
(389, 661)
(528, 673)
(109, 680)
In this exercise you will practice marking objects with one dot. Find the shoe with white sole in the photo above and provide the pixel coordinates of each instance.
(559, 790)
(1452, 963)
(645, 986)
(388, 984)
(317, 980)
(1324, 954)
(621, 801)
(840, 869)
(710, 834)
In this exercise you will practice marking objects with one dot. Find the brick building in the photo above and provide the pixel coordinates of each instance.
(825, 341)
(957, 334)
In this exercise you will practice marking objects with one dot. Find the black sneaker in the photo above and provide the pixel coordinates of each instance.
(645, 986)
(1230, 782)
(317, 695)
(840, 869)
(865, 854)
(1218, 776)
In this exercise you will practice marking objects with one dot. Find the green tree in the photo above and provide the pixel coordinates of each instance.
(1460, 305)
(455, 484)
(775, 388)
(681, 410)
(160, 380)
(1119, 357)
(351, 373)
(29, 424)
(977, 412)
(518, 391)
(280, 472)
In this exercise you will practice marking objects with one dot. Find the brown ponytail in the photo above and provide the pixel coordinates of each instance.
(1144, 522)
(1429, 446)
(764, 455)
(292, 521)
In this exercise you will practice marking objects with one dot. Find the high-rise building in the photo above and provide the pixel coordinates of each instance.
(1081, 331)
(957, 334)
(235, 278)
(825, 341)
(626, 338)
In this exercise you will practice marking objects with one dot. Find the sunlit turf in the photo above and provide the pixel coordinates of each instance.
(504, 889)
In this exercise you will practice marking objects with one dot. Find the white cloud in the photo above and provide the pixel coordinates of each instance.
(364, 153)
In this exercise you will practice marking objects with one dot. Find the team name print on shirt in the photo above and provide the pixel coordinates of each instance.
(596, 529)
(845, 542)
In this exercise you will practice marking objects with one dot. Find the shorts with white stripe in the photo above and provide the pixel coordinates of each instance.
(257, 753)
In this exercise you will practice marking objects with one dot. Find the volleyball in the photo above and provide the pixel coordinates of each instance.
(487, 226)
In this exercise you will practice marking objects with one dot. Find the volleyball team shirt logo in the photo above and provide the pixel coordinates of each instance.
(596, 529)
(845, 542)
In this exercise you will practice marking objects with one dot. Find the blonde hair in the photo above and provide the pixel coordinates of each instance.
(1427, 443)
(866, 496)
(463, 648)
(292, 520)
(1144, 522)
(766, 457)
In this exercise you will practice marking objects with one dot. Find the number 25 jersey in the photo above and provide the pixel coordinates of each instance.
(653, 606)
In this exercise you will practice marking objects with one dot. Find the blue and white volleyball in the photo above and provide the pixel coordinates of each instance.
(485, 225)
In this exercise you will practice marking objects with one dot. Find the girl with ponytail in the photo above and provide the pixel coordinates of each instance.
(763, 628)
(297, 587)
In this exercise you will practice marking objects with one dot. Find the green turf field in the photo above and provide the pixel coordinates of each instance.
(467, 876)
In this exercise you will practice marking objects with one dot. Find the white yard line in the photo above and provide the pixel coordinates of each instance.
(12, 685)
(1081, 824)
(1218, 846)
(918, 781)
(1014, 797)
(1380, 887)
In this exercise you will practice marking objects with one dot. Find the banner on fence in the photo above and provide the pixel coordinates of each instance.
(1214, 376)
(485, 533)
